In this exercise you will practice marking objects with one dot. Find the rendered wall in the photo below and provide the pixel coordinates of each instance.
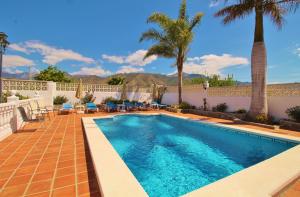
(280, 97)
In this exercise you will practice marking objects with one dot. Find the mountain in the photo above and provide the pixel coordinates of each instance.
(134, 79)
(15, 75)
(141, 79)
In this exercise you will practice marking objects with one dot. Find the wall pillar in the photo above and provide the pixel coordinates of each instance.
(51, 93)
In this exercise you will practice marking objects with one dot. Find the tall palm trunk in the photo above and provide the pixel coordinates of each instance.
(179, 62)
(258, 69)
(179, 70)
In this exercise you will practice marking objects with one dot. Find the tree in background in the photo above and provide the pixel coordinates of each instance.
(116, 81)
(275, 9)
(173, 39)
(52, 73)
(214, 81)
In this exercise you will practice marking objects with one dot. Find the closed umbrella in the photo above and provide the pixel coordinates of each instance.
(79, 91)
(154, 92)
(124, 91)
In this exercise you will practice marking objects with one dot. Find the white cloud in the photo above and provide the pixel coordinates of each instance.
(214, 3)
(114, 59)
(298, 52)
(92, 71)
(137, 58)
(211, 64)
(12, 70)
(16, 60)
(129, 69)
(53, 55)
(35, 70)
(133, 59)
(19, 48)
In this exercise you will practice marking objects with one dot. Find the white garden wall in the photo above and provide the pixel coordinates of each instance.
(10, 117)
(280, 97)
(100, 96)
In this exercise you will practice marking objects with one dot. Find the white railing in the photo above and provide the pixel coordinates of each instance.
(10, 117)
(17, 84)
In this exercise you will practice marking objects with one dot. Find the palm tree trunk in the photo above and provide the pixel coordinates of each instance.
(258, 70)
(179, 71)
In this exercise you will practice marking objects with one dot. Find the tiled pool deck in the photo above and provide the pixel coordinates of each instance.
(55, 160)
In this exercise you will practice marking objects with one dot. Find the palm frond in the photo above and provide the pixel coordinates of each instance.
(275, 12)
(152, 34)
(162, 50)
(182, 10)
(236, 11)
(196, 20)
(161, 19)
(289, 5)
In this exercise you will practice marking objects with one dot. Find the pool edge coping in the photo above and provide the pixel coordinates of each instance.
(274, 185)
(113, 176)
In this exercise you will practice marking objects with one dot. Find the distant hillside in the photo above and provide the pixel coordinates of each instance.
(141, 79)
(15, 76)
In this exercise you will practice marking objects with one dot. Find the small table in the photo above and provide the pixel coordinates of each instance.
(79, 109)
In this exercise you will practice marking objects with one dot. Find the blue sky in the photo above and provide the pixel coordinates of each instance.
(101, 37)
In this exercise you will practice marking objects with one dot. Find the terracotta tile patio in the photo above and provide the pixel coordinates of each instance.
(55, 160)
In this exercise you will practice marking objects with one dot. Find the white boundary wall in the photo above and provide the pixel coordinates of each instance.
(280, 97)
(10, 117)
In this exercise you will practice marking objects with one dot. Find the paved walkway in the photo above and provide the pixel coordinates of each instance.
(55, 160)
(51, 161)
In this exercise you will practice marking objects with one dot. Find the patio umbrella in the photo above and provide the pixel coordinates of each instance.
(124, 91)
(154, 92)
(79, 91)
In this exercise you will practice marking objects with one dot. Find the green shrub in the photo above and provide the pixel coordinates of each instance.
(241, 111)
(294, 113)
(59, 100)
(185, 105)
(21, 97)
(261, 118)
(222, 107)
(8, 94)
(112, 100)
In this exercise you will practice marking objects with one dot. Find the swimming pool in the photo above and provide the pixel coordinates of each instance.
(172, 156)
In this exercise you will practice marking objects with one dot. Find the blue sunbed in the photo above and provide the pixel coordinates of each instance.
(91, 107)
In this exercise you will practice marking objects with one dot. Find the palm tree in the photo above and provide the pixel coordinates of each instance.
(172, 39)
(275, 9)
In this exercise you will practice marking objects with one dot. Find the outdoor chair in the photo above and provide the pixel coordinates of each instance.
(156, 105)
(35, 110)
(91, 107)
(111, 107)
(44, 108)
(141, 106)
(38, 118)
(66, 108)
(129, 106)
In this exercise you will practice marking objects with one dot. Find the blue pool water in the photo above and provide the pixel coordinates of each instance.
(172, 156)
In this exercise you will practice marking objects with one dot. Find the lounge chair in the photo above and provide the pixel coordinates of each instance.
(36, 111)
(129, 106)
(141, 106)
(44, 108)
(111, 107)
(25, 119)
(91, 107)
(66, 108)
(156, 105)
